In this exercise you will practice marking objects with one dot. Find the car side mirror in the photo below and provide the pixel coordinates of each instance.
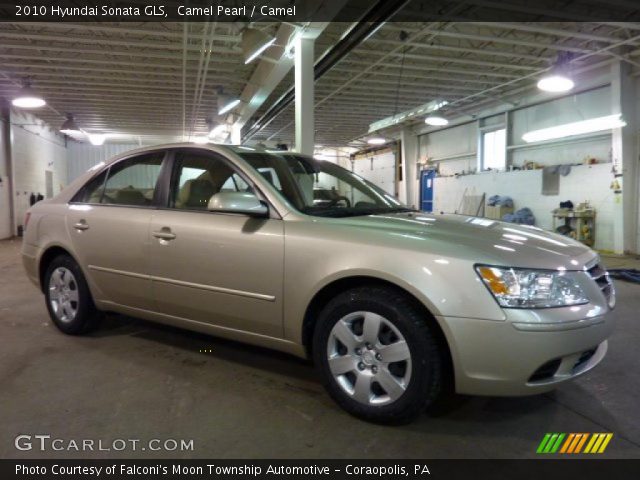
(238, 202)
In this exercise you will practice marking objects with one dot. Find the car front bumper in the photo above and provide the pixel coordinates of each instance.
(512, 358)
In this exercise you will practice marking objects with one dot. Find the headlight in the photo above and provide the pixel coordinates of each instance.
(519, 288)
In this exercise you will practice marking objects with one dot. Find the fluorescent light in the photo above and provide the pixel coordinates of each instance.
(96, 139)
(70, 127)
(226, 104)
(28, 98)
(426, 108)
(253, 43)
(376, 141)
(577, 128)
(555, 83)
(436, 120)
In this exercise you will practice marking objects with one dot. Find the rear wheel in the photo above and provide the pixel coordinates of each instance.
(377, 355)
(68, 298)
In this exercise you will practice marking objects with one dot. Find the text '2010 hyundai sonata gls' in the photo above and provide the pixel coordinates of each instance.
(303, 256)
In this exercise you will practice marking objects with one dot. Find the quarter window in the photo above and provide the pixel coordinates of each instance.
(133, 181)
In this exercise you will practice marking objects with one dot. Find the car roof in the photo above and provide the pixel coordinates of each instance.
(215, 147)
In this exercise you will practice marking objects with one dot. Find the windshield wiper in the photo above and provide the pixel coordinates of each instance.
(354, 212)
(402, 210)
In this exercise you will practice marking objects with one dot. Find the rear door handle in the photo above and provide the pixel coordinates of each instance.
(164, 234)
(81, 225)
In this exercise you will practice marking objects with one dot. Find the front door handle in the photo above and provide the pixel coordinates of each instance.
(81, 225)
(164, 234)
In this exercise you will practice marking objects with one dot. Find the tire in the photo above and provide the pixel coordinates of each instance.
(68, 298)
(357, 376)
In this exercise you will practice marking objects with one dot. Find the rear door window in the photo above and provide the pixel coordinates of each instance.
(132, 182)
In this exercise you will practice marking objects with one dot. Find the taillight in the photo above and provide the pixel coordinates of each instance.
(27, 216)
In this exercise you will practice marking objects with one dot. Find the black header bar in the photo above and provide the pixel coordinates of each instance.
(583, 469)
(300, 11)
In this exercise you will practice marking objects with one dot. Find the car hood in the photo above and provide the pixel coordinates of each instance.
(480, 240)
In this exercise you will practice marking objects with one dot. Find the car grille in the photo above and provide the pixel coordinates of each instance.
(601, 277)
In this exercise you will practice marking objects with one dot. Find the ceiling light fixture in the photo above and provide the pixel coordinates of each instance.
(226, 103)
(557, 79)
(555, 83)
(436, 120)
(376, 141)
(253, 43)
(28, 98)
(576, 128)
(70, 127)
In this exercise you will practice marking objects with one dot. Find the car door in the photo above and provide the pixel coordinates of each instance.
(108, 222)
(216, 268)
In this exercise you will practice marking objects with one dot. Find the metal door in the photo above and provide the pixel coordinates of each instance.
(426, 190)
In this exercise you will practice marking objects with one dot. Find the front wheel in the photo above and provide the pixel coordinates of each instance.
(377, 355)
(68, 298)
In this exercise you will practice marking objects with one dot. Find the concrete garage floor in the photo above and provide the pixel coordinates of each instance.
(134, 379)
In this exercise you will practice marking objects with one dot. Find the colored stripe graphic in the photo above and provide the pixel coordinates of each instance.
(543, 443)
(550, 443)
(573, 443)
(581, 443)
(598, 442)
(556, 446)
(567, 442)
(591, 442)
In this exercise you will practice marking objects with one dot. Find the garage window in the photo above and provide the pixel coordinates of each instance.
(494, 150)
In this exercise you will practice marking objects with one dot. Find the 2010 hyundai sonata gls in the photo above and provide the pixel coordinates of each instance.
(300, 255)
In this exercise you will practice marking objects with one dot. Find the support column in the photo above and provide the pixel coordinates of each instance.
(236, 134)
(304, 85)
(409, 148)
(7, 223)
(624, 150)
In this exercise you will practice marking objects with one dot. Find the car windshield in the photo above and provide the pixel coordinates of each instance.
(321, 188)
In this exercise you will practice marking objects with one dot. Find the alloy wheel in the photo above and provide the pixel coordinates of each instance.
(63, 294)
(369, 358)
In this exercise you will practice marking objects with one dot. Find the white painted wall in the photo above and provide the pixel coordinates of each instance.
(569, 109)
(340, 156)
(566, 152)
(35, 148)
(584, 183)
(454, 150)
(83, 156)
(379, 169)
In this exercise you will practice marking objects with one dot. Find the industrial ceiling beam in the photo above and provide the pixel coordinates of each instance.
(545, 30)
(169, 65)
(134, 31)
(434, 68)
(109, 51)
(93, 40)
(377, 15)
